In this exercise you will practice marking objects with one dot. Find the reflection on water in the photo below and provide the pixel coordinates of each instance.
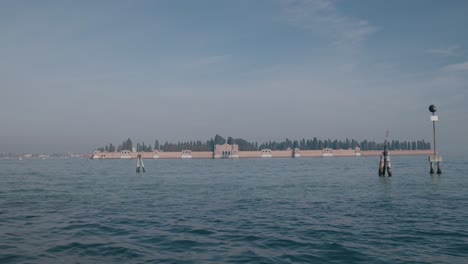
(386, 185)
(435, 179)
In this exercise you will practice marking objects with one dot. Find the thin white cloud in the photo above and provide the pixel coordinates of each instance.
(449, 51)
(322, 15)
(457, 67)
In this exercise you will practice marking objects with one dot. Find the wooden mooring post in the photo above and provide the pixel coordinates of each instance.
(140, 164)
(385, 163)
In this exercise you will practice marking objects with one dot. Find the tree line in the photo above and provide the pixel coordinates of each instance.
(244, 145)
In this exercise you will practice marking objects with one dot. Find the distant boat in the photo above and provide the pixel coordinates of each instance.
(20, 158)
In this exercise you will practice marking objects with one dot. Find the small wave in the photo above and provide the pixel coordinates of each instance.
(13, 258)
(3, 247)
(184, 243)
(458, 250)
(80, 226)
(441, 233)
(95, 227)
(28, 191)
(202, 232)
(248, 256)
(95, 249)
(339, 251)
(285, 243)
(30, 216)
(323, 233)
(242, 238)
(154, 240)
(301, 258)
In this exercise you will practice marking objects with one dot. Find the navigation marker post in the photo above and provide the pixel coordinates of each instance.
(434, 158)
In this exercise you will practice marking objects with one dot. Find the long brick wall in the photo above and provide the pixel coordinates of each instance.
(257, 154)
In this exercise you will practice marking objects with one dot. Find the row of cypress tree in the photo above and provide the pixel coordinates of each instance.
(305, 144)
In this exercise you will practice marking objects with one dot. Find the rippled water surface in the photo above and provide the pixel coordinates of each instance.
(314, 210)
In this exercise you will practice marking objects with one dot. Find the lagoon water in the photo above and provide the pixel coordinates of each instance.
(309, 210)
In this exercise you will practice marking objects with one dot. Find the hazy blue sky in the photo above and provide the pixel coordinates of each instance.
(75, 75)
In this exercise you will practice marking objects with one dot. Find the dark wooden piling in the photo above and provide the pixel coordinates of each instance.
(385, 163)
(140, 164)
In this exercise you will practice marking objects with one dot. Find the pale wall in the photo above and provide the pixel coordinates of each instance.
(258, 154)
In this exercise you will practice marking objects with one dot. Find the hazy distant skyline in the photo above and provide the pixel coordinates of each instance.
(75, 75)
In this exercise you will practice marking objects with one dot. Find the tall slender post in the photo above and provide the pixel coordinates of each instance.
(433, 133)
(435, 157)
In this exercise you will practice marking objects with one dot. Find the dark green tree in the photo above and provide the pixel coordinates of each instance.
(156, 145)
(219, 140)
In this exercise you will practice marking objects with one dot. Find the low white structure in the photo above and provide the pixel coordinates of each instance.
(96, 154)
(296, 153)
(99, 155)
(156, 154)
(327, 152)
(186, 154)
(43, 156)
(125, 154)
(357, 151)
(266, 153)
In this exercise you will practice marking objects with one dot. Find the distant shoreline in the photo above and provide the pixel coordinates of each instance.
(187, 154)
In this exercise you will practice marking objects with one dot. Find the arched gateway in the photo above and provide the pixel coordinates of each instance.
(226, 151)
